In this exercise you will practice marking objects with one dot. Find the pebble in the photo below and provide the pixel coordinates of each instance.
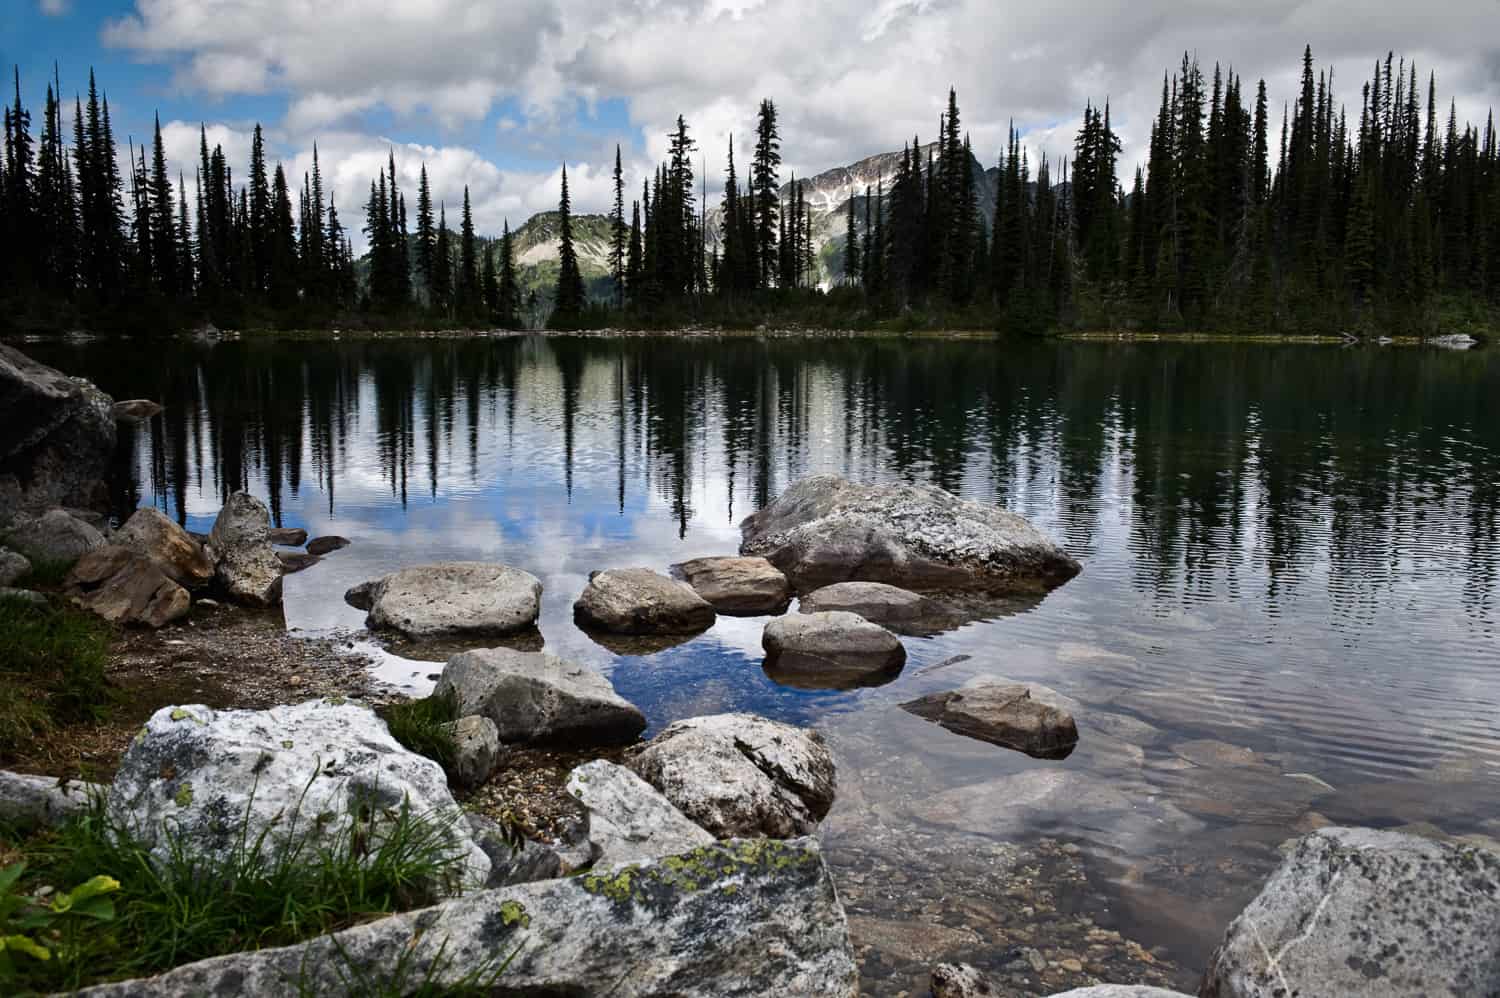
(1071, 966)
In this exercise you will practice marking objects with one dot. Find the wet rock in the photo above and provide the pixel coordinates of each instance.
(1358, 911)
(959, 980)
(135, 410)
(537, 698)
(245, 563)
(54, 537)
(1215, 754)
(476, 748)
(326, 545)
(746, 587)
(825, 529)
(832, 650)
(287, 536)
(629, 821)
(293, 562)
(897, 609)
(730, 920)
(14, 566)
(198, 779)
(28, 802)
(170, 548)
(1120, 991)
(739, 774)
(451, 599)
(125, 587)
(1002, 714)
(57, 436)
(640, 601)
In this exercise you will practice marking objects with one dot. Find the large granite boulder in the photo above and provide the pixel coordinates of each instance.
(640, 601)
(825, 529)
(891, 607)
(1002, 714)
(630, 821)
(204, 780)
(739, 919)
(57, 435)
(832, 650)
(739, 774)
(451, 599)
(741, 587)
(1354, 911)
(125, 587)
(55, 537)
(538, 698)
(170, 548)
(245, 564)
(14, 567)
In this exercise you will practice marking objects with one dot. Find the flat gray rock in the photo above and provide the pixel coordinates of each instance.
(1002, 714)
(629, 820)
(1120, 991)
(54, 537)
(831, 650)
(198, 779)
(451, 599)
(476, 744)
(538, 698)
(740, 774)
(744, 587)
(739, 919)
(245, 565)
(640, 601)
(1354, 911)
(14, 566)
(891, 607)
(171, 548)
(28, 801)
(126, 587)
(825, 529)
(293, 562)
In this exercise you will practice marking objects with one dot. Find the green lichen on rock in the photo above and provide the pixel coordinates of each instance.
(514, 913)
(179, 714)
(699, 869)
(286, 743)
(616, 886)
(184, 796)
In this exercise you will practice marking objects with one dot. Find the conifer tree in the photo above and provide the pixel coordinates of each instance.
(442, 266)
(569, 299)
(468, 264)
(618, 235)
(851, 245)
(508, 304)
(765, 169)
(426, 234)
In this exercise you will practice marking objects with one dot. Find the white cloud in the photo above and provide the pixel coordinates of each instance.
(53, 8)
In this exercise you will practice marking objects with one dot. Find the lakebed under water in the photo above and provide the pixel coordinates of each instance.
(1287, 613)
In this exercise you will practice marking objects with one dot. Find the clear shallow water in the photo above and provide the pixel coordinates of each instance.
(1288, 550)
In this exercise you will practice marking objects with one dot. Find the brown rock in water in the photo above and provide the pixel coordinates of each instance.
(168, 546)
(135, 410)
(746, 587)
(326, 545)
(126, 587)
(1002, 714)
(831, 651)
(293, 537)
(889, 606)
(640, 601)
(293, 562)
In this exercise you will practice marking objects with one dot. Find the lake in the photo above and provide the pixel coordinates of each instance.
(1287, 613)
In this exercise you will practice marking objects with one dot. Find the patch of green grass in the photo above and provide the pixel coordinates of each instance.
(406, 979)
(23, 718)
(264, 893)
(422, 726)
(52, 669)
(46, 574)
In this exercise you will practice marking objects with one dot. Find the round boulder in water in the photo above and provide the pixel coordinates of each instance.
(640, 601)
(832, 650)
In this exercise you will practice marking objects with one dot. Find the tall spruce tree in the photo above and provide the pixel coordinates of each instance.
(568, 301)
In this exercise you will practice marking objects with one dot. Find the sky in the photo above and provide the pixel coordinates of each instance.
(498, 95)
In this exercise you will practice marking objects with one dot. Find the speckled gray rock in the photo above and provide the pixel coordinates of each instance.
(14, 566)
(54, 536)
(126, 587)
(245, 563)
(745, 587)
(1354, 911)
(299, 774)
(1120, 991)
(629, 820)
(28, 802)
(451, 599)
(739, 774)
(640, 601)
(739, 919)
(900, 610)
(960, 980)
(825, 529)
(1002, 714)
(170, 548)
(831, 650)
(476, 748)
(57, 436)
(534, 697)
(513, 859)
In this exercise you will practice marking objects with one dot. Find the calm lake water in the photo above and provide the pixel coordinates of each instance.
(1287, 613)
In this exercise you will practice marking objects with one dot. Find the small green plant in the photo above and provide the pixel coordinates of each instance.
(47, 574)
(423, 726)
(32, 929)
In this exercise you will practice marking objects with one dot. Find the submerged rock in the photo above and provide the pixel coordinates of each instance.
(293, 562)
(629, 821)
(180, 557)
(135, 410)
(245, 563)
(740, 774)
(1358, 911)
(288, 536)
(476, 749)
(55, 537)
(831, 650)
(640, 601)
(203, 780)
(747, 587)
(125, 587)
(825, 529)
(1002, 714)
(14, 566)
(57, 436)
(451, 599)
(537, 698)
(327, 545)
(739, 919)
(899, 610)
